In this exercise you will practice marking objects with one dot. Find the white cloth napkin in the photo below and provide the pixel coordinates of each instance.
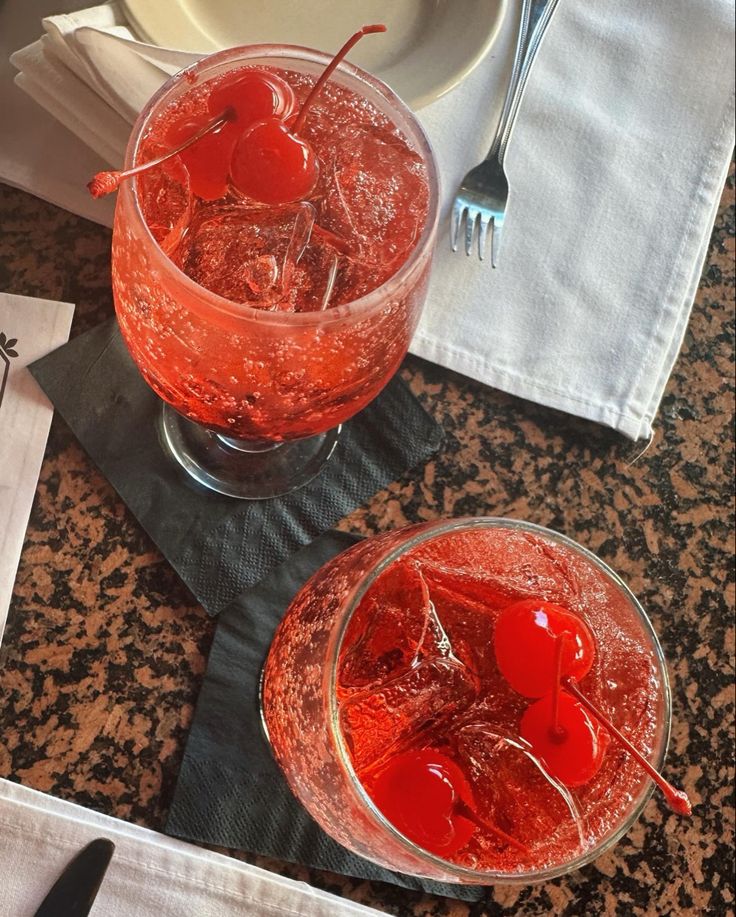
(29, 329)
(616, 167)
(150, 875)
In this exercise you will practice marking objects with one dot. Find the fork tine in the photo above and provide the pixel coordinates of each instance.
(469, 229)
(496, 240)
(482, 230)
(457, 215)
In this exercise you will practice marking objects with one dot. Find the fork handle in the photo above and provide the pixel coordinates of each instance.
(534, 18)
(521, 37)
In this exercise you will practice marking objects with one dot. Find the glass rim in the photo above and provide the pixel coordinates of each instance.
(462, 874)
(404, 276)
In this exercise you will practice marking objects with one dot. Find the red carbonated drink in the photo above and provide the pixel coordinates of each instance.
(453, 683)
(268, 310)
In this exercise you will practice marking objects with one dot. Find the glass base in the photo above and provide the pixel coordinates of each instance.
(245, 469)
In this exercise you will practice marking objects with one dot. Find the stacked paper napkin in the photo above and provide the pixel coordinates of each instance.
(616, 166)
(148, 874)
(29, 329)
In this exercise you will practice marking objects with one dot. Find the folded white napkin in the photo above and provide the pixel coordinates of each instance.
(29, 329)
(616, 167)
(150, 875)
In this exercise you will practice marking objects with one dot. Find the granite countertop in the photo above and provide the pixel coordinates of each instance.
(105, 649)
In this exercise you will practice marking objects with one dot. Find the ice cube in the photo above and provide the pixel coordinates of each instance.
(401, 673)
(624, 684)
(247, 254)
(467, 620)
(377, 198)
(500, 566)
(511, 790)
(388, 716)
(632, 686)
(166, 201)
(385, 631)
(315, 276)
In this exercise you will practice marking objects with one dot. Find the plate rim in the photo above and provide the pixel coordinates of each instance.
(417, 102)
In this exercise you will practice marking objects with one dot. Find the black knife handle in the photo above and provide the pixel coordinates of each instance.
(74, 892)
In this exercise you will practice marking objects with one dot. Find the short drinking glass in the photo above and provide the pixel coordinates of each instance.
(386, 707)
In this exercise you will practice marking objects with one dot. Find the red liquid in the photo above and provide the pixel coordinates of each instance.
(372, 196)
(417, 672)
(264, 380)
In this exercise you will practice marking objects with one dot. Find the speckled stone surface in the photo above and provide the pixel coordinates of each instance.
(105, 650)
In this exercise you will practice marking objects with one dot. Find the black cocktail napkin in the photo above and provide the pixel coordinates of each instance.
(230, 791)
(220, 546)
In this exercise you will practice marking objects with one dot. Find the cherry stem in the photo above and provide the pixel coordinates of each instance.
(676, 799)
(317, 88)
(556, 733)
(464, 810)
(106, 182)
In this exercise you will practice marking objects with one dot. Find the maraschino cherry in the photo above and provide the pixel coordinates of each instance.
(249, 139)
(107, 182)
(569, 743)
(271, 163)
(428, 798)
(252, 97)
(525, 639)
(542, 649)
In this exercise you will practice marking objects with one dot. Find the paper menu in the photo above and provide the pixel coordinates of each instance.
(29, 329)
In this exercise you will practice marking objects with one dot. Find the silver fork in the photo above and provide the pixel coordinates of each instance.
(483, 193)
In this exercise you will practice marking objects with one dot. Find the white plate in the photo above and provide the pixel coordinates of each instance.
(430, 46)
